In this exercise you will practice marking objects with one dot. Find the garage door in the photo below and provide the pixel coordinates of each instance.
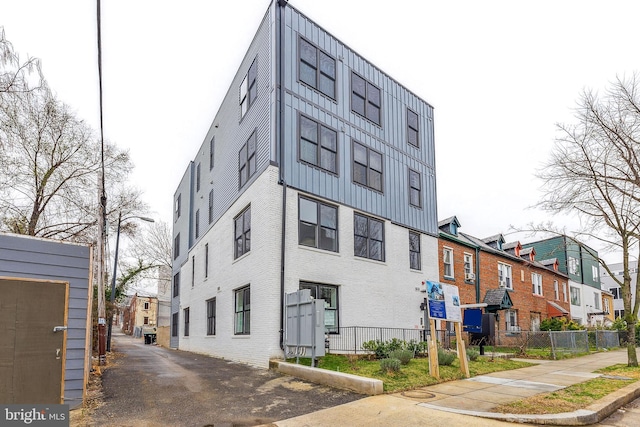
(33, 317)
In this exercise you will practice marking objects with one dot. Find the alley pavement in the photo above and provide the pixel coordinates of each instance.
(474, 399)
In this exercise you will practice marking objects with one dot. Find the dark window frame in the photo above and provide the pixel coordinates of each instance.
(411, 129)
(174, 324)
(186, 315)
(206, 260)
(244, 311)
(210, 212)
(178, 207)
(176, 246)
(413, 190)
(367, 98)
(316, 293)
(212, 145)
(176, 284)
(211, 316)
(368, 239)
(198, 177)
(193, 270)
(197, 221)
(320, 147)
(415, 253)
(369, 171)
(318, 226)
(318, 72)
(251, 90)
(242, 241)
(247, 159)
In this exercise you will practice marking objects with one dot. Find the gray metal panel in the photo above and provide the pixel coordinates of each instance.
(33, 258)
(390, 138)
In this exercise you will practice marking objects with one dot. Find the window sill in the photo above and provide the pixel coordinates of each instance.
(241, 337)
(450, 278)
(244, 255)
(374, 261)
(318, 250)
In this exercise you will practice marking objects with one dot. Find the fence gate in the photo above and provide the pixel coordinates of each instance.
(304, 333)
(33, 318)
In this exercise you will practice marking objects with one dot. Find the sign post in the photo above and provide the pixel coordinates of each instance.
(444, 304)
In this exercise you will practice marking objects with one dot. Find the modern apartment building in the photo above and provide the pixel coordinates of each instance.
(580, 263)
(610, 284)
(317, 172)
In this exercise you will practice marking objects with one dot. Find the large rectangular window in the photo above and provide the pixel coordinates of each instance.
(247, 159)
(511, 320)
(329, 294)
(556, 290)
(365, 99)
(368, 237)
(414, 251)
(318, 145)
(504, 276)
(174, 325)
(413, 130)
(318, 224)
(367, 166)
(177, 207)
(249, 89)
(415, 189)
(575, 295)
(211, 316)
(242, 226)
(573, 265)
(316, 68)
(185, 313)
(176, 246)
(242, 319)
(536, 282)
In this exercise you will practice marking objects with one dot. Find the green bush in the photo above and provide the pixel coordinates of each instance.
(418, 347)
(473, 354)
(445, 358)
(390, 365)
(382, 348)
(404, 356)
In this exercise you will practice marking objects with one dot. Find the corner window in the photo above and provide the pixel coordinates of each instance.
(174, 325)
(318, 224)
(316, 68)
(329, 294)
(176, 246)
(186, 321)
(211, 316)
(368, 237)
(242, 314)
(247, 159)
(176, 284)
(318, 144)
(367, 167)
(242, 226)
(414, 251)
(248, 89)
(412, 128)
(505, 279)
(447, 259)
(415, 189)
(365, 99)
(536, 282)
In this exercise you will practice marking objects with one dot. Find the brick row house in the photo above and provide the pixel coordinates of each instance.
(529, 290)
(317, 172)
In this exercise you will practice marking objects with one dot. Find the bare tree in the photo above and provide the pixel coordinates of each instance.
(594, 170)
(18, 76)
(49, 166)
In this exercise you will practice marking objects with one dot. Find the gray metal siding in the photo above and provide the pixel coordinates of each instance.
(390, 138)
(32, 258)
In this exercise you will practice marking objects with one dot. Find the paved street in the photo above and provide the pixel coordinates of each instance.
(155, 386)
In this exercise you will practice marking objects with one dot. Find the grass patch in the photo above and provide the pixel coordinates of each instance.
(413, 375)
(577, 396)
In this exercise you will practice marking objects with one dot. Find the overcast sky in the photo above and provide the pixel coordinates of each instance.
(500, 75)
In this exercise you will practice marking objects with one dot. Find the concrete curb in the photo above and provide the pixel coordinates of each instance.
(341, 380)
(582, 417)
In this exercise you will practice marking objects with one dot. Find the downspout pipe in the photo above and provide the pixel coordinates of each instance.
(280, 25)
(477, 274)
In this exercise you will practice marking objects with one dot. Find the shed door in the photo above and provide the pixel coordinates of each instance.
(31, 354)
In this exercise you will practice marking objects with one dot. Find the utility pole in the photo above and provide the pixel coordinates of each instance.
(100, 254)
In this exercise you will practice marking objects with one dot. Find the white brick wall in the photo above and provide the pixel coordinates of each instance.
(371, 293)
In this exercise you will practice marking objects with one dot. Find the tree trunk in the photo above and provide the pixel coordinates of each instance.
(632, 357)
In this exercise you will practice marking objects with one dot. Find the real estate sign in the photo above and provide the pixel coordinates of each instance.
(444, 302)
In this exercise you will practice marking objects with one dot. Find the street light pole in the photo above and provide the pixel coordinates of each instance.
(115, 270)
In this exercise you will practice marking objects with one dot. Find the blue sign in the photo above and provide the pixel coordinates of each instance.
(472, 320)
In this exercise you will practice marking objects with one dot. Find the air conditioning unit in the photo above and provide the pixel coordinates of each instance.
(469, 276)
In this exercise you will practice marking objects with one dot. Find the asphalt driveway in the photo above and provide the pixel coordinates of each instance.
(154, 386)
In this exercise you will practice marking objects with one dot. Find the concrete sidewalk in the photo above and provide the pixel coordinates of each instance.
(472, 400)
